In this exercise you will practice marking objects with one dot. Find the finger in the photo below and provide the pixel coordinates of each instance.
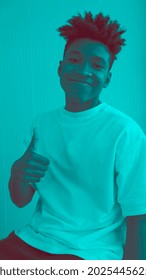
(34, 165)
(39, 158)
(28, 172)
(27, 179)
(30, 179)
(34, 141)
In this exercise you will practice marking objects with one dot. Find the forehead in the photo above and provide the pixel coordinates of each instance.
(89, 48)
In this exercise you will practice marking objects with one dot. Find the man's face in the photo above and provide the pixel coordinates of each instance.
(84, 71)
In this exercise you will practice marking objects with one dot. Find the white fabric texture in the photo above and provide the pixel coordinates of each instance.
(95, 179)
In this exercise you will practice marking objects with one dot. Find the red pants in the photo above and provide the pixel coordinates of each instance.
(13, 248)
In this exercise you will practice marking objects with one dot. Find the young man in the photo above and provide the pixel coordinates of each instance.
(87, 161)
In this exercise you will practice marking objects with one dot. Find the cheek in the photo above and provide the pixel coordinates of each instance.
(99, 79)
(69, 68)
(64, 81)
(66, 74)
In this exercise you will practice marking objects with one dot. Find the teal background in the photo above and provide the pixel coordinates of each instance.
(30, 50)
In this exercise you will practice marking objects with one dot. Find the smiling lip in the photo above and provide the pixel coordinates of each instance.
(81, 82)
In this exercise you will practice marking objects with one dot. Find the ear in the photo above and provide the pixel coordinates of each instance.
(107, 81)
(60, 67)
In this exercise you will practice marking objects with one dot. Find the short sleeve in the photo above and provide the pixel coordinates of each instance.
(131, 171)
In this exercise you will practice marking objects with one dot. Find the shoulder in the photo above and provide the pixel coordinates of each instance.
(128, 135)
(47, 116)
(120, 118)
(125, 126)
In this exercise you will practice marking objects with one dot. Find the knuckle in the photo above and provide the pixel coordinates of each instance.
(32, 179)
(48, 162)
(30, 162)
(37, 179)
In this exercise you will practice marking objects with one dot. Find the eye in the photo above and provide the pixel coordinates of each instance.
(74, 60)
(97, 66)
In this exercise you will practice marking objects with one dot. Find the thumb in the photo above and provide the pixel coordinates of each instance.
(34, 141)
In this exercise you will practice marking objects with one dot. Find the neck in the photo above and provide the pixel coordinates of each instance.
(77, 107)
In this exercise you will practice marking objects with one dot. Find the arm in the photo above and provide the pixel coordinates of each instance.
(25, 173)
(135, 248)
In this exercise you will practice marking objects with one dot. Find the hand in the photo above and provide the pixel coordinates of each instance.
(31, 167)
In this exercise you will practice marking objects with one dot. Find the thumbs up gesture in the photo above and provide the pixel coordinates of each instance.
(35, 138)
(31, 167)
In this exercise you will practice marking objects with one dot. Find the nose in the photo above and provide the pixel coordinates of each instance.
(84, 70)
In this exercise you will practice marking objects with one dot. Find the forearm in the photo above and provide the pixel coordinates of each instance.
(142, 240)
(131, 246)
(135, 248)
(21, 193)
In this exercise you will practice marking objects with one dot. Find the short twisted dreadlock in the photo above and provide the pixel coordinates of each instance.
(100, 28)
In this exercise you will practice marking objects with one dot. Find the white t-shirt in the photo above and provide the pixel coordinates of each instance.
(97, 177)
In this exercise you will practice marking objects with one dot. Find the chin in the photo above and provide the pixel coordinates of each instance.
(81, 97)
(78, 98)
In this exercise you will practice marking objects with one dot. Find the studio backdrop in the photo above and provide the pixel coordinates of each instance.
(30, 51)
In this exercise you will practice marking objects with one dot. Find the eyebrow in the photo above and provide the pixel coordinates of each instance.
(100, 59)
(74, 52)
(94, 56)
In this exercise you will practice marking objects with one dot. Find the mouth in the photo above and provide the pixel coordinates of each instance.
(81, 82)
